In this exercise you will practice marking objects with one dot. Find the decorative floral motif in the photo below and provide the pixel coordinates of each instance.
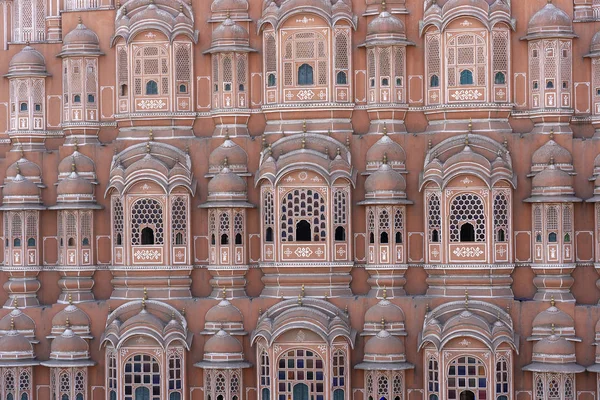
(467, 94)
(467, 252)
(151, 104)
(306, 94)
(304, 252)
(147, 255)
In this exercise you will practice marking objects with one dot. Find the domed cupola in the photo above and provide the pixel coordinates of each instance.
(554, 354)
(224, 316)
(234, 9)
(385, 186)
(223, 351)
(22, 192)
(550, 22)
(389, 312)
(384, 351)
(552, 185)
(16, 348)
(230, 36)
(227, 189)
(18, 321)
(386, 29)
(78, 321)
(237, 158)
(386, 146)
(69, 349)
(27, 63)
(84, 165)
(553, 320)
(551, 150)
(81, 41)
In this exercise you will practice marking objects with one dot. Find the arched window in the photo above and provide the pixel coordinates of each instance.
(502, 378)
(434, 81)
(435, 236)
(151, 88)
(303, 233)
(265, 394)
(238, 238)
(341, 78)
(467, 376)
(119, 239)
(71, 242)
(383, 388)
(178, 238)
(147, 236)
(552, 238)
(466, 77)
(300, 365)
(117, 215)
(271, 81)
(77, 98)
(303, 205)
(224, 239)
(383, 238)
(147, 213)
(434, 221)
(142, 376)
(17, 242)
(182, 88)
(384, 227)
(500, 78)
(340, 234)
(91, 98)
(550, 84)
(305, 75)
(23, 107)
(338, 394)
(467, 233)
(269, 235)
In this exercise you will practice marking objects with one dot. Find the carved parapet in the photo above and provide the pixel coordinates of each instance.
(319, 279)
(232, 280)
(22, 287)
(160, 283)
(387, 277)
(481, 280)
(76, 285)
(553, 282)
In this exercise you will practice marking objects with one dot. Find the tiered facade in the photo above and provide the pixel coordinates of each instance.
(300, 200)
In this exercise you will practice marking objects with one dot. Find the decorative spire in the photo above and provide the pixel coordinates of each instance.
(348, 142)
(552, 301)
(346, 309)
(73, 166)
(338, 151)
(228, 14)
(551, 160)
(183, 311)
(148, 148)
(226, 133)
(551, 133)
(109, 309)
(327, 151)
(12, 324)
(263, 139)
(303, 142)
(224, 294)
(382, 323)
(145, 294)
(150, 135)
(302, 291)
(144, 303)
(225, 162)
(304, 126)
(67, 323)
(80, 20)
(385, 159)
(75, 145)
(18, 169)
(383, 6)
(299, 300)
(21, 151)
(385, 123)
(505, 143)
(15, 303)
(70, 299)
(427, 308)
(470, 126)
(553, 329)
(260, 312)
(429, 144)
(385, 293)
(466, 299)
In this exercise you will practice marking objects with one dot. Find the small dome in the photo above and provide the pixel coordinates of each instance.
(83, 164)
(553, 316)
(145, 319)
(385, 179)
(386, 24)
(384, 310)
(222, 342)
(69, 346)
(551, 150)
(27, 61)
(81, 35)
(236, 157)
(13, 345)
(554, 349)
(20, 187)
(75, 185)
(17, 319)
(384, 345)
(467, 319)
(550, 21)
(229, 31)
(75, 316)
(468, 156)
(552, 177)
(223, 313)
(226, 182)
(382, 148)
(24, 167)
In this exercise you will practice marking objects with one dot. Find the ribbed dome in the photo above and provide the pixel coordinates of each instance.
(549, 21)
(222, 342)
(69, 346)
(386, 24)
(83, 164)
(236, 157)
(384, 344)
(146, 319)
(467, 155)
(74, 315)
(385, 147)
(17, 319)
(385, 179)
(467, 318)
(81, 35)
(553, 316)
(226, 182)
(24, 167)
(75, 185)
(595, 45)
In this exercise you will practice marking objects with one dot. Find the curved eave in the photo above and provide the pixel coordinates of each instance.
(26, 74)
(550, 35)
(595, 199)
(19, 363)
(222, 365)
(387, 42)
(232, 48)
(552, 199)
(80, 53)
(68, 363)
(22, 207)
(76, 206)
(226, 204)
(391, 202)
(570, 368)
(593, 54)
(594, 368)
(278, 19)
(373, 366)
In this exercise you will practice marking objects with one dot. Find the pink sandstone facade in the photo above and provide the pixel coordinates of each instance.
(300, 199)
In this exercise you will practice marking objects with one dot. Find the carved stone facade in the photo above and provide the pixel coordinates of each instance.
(300, 200)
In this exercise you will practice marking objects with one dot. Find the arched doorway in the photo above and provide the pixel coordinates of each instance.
(300, 391)
(301, 375)
(142, 393)
(467, 379)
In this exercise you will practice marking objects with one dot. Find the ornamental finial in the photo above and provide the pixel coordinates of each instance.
(15, 303)
(304, 126)
(551, 133)
(385, 126)
(382, 323)
(466, 299)
(145, 294)
(385, 293)
(150, 135)
(385, 159)
(552, 302)
(224, 294)
(70, 299)
(303, 142)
